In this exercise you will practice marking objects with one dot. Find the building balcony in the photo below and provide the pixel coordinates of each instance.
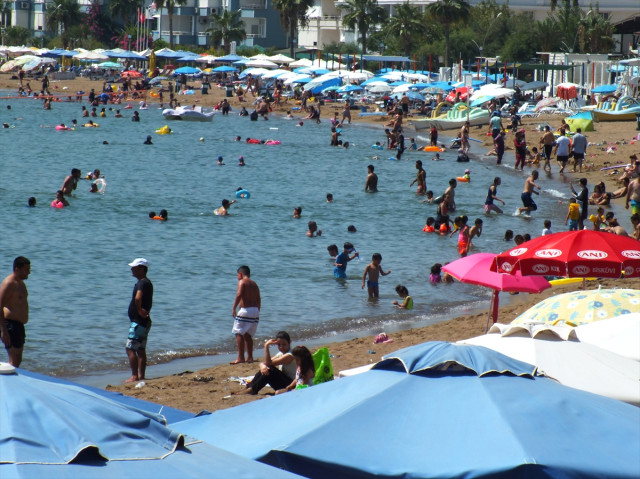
(252, 5)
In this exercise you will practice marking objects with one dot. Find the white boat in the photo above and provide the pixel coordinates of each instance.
(186, 113)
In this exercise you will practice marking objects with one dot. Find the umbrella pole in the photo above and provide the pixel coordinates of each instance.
(584, 283)
(493, 310)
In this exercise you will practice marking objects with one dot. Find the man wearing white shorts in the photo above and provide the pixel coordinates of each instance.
(246, 314)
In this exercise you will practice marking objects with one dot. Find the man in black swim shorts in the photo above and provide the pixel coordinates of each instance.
(14, 309)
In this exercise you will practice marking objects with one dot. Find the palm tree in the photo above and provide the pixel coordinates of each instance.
(547, 33)
(363, 14)
(124, 9)
(407, 25)
(65, 14)
(170, 5)
(227, 27)
(293, 13)
(595, 33)
(447, 13)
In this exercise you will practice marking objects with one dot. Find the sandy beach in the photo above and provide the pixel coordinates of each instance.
(211, 388)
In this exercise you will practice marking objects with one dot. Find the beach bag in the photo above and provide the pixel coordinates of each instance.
(322, 363)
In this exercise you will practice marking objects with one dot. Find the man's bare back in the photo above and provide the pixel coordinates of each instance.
(248, 293)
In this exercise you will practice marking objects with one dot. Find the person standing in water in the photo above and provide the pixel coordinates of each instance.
(14, 309)
(139, 308)
(247, 316)
(371, 185)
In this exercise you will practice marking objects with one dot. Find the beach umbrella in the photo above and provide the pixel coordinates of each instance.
(514, 82)
(131, 74)
(558, 354)
(379, 89)
(349, 88)
(604, 89)
(59, 52)
(261, 63)
(230, 58)
(280, 58)
(401, 88)
(91, 56)
(109, 65)
(187, 71)
(8, 66)
(302, 62)
(256, 72)
(618, 334)
(436, 410)
(481, 100)
(580, 307)
(331, 88)
(205, 59)
(168, 53)
(224, 68)
(414, 95)
(546, 102)
(58, 429)
(475, 269)
(574, 254)
(534, 85)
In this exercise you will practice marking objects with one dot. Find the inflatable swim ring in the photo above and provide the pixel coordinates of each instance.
(272, 142)
(462, 179)
(377, 147)
(90, 125)
(243, 194)
(165, 130)
(433, 148)
(101, 184)
(429, 229)
(61, 128)
(57, 204)
(253, 141)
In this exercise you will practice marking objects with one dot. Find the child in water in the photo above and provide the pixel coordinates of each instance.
(224, 209)
(340, 263)
(435, 275)
(407, 302)
(429, 228)
(373, 269)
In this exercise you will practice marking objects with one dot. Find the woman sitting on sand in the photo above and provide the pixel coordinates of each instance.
(305, 369)
(277, 371)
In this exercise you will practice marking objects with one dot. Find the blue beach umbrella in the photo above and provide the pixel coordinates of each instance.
(604, 89)
(110, 65)
(414, 95)
(349, 88)
(61, 430)
(187, 71)
(436, 410)
(481, 100)
(224, 68)
(331, 88)
(230, 58)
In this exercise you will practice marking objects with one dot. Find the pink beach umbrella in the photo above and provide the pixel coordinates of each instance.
(475, 269)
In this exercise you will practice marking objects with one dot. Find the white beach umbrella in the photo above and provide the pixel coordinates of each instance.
(402, 88)
(256, 72)
(275, 73)
(91, 56)
(620, 335)
(302, 62)
(205, 59)
(260, 56)
(292, 79)
(558, 355)
(261, 63)
(379, 89)
(279, 58)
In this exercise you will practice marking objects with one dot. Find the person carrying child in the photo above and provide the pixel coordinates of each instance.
(373, 269)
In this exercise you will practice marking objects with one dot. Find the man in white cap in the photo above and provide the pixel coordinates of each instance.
(139, 309)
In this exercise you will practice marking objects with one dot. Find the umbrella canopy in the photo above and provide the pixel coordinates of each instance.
(451, 97)
(131, 73)
(55, 430)
(224, 68)
(302, 62)
(230, 58)
(580, 307)
(568, 361)
(279, 58)
(475, 269)
(534, 85)
(349, 88)
(574, 254)
(110, 65)
(59, 52)
(205, 59)
(261, 63)
(604, 89)
(91, 57)
(379, 89)
(119, 53)
(187, 71)
(168, 53)
(414, 95)
(619, 334)
(435, 411)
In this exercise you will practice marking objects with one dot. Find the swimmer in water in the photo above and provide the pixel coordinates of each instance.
(224, 209)
(32, 202)
(220, 161)
(329, 198)
(297, 212)
(241, 161)
(148, 141)
(94, 188)
(313, 229)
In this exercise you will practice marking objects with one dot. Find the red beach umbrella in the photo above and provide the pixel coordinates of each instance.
(573, 254)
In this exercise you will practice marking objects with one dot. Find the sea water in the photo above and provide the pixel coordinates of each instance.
(80, 284)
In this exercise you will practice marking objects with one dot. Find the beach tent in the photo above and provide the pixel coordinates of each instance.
(57, 430)
(583, 120)
(557, 353)
(436, 410)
